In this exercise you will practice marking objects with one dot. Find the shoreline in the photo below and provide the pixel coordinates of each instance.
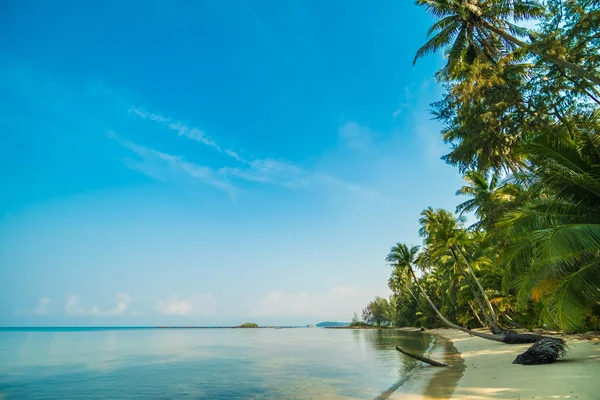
(482, 369)
(428, 382)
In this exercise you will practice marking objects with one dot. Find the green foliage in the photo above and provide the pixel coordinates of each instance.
(378, 312)
(521, 112)
(556, 245)
(248, 325)
(467, 29)
(360, 324)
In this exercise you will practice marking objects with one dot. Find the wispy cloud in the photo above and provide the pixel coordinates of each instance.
(400, 109)
(123, 303)
(181, 129)
(257, 170)
(161, 165)
(339, 302)
(426, 128)
(74, 306)
(405, 103)
(43, 305)
(198, 304)
(355, 136)
(357, 189)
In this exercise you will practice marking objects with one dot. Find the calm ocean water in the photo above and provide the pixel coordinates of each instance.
(299, 363)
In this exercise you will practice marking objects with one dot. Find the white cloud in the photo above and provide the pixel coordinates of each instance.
(338, 303)
(416, 107)
(95, 310)
(74, 306)
(198, 304)
(181, 129)
(161, 166)
(267, 171)
(407, 101)
(123, 303)
(372, 194)
(400, 109)
(144, 114)
(355, 136)
(174, 306)
(43, 304)
(261, 170)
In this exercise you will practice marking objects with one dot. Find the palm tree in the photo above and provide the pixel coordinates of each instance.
(482, 190)
(556, 248)
(472, 27)
(488, 112)
(448, 275)
(490, 200)
(399, 280)
(444, 234)
(403, 258)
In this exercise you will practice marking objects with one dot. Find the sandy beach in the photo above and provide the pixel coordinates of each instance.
(483, 370)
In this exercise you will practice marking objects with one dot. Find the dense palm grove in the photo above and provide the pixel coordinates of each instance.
(521, 115)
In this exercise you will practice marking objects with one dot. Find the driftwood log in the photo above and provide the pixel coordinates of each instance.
(421, 358)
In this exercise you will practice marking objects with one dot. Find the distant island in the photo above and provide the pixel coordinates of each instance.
(248, 325)
(329, 324)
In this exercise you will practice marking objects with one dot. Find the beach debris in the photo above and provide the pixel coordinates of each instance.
(544, 351)
(421, 358)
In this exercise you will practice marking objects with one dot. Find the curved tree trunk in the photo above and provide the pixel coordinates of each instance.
(505, 337)
(412, 294)
(485, 297)
(582, 72)
(475, 313)
(489, 317)
(455, 290)
(447, 322)
(490, 322)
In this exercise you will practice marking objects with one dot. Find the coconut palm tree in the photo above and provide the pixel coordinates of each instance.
(443, 234)
(489, 199)
(399, 281)
(402, 257)
(481, 188)
(556, 246)
(472, 27)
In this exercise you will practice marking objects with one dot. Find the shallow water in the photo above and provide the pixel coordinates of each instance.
(298, 363)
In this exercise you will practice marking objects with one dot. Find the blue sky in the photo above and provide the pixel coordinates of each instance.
(210, 162)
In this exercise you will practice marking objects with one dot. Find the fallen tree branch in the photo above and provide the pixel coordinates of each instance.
(421, 358)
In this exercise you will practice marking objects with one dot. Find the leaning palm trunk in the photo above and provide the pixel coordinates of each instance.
(490, 322)
(504, 337)
(582, 72)
(491, 317)
(483, 294)
(475, 313)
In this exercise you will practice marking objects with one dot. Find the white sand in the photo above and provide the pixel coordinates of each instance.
(488, 373)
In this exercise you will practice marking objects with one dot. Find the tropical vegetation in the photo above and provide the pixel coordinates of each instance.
(248, 325)
(520, 114)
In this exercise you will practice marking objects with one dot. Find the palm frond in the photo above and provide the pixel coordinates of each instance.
(441, 39)
(577, 293)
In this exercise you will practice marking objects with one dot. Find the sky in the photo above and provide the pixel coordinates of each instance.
(211, 162)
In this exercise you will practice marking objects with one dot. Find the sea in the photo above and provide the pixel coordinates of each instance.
(155, 363)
